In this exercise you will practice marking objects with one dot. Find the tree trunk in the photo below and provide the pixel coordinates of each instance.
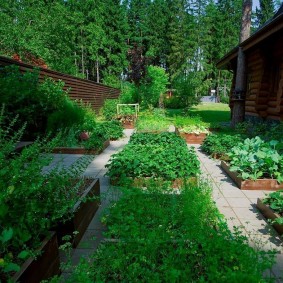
(238, 98)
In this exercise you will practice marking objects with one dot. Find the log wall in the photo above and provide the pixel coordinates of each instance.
(264, 95)
(78, 89)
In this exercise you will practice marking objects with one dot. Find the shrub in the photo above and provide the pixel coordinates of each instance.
(109, 109)
(153, 85)
(30, 202)
(112, 129)
(32, 101)
(71, 114)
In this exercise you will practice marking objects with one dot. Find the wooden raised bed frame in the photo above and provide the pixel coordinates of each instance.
(192, 138)
(83, 214)
(268, 213)
(80, 150)
(44, 266)
(260, 184)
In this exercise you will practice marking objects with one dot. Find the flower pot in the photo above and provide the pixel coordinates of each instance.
(268, 213)
(260, 184)
(46, 265)
(83, 213)
(80, 150)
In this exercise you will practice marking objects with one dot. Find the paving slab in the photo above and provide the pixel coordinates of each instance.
(241, 212)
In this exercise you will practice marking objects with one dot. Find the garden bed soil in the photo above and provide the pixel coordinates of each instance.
(192, 138)
(80, 150)
(45, 266)
(83, 214)
(260, 184)
(268, 213)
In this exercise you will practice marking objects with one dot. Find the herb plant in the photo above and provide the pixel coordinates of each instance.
(30, 202)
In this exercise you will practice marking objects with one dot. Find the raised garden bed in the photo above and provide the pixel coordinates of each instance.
(143, 182)
(268, 213)
(260, 184)
(192, 138)
(83, 213)
(46, 265)
(80, 150)
(129, 125)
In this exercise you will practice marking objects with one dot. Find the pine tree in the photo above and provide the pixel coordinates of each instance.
(265, 12)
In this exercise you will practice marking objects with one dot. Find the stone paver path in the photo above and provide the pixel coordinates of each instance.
(239, 208)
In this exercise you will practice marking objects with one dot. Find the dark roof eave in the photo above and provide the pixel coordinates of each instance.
(267, 30)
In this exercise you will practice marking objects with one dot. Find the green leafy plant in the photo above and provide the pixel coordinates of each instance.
(32, 101)
(163, 156)
(109, 109)
(113, 129)
(275, 201)
(157, 237)
(218, 145)
(31, 200)
(255, 158)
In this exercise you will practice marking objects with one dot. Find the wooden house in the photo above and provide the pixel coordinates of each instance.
(263, 50)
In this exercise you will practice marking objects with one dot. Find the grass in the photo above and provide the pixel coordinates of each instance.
(212, 112)
(208, 113)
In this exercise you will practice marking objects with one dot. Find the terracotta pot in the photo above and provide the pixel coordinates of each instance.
(46, 265)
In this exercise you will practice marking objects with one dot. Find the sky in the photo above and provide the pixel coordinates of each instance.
(255, 4)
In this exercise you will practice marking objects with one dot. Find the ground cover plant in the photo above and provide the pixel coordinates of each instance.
(31, 202)
(162, 155)
(160, 236)
(255, 158)
(218, 145)
(275, 201)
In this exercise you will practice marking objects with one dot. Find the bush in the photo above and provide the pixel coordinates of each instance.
(71, 114)
(30, 202)
(109, 109)
(128, 93)
(153, 85)
(113, 129)
(33, 102)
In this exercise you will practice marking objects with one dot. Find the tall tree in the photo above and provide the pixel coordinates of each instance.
(238, 111)
(265, 11)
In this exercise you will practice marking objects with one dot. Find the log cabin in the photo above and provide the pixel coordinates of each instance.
(263, 50)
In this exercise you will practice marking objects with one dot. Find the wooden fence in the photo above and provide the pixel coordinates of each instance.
(81, 89)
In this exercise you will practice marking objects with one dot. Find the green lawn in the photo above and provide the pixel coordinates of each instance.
(212, 112)
(208, 112)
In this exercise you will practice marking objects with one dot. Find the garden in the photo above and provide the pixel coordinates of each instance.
(165, 226)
